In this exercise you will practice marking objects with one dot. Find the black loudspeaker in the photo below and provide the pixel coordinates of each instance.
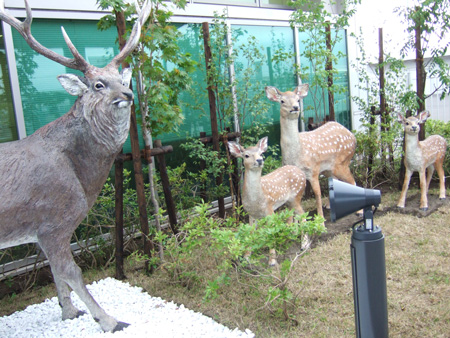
(347, 198)
(367, 256)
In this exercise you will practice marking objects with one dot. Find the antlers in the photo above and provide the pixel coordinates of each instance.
(78, 62)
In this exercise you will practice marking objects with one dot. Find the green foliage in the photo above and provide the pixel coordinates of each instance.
(225, 245)
(435, 127)
(432, 19)
(379, 142)
(239, 100)
(313, 19)
(161, 69)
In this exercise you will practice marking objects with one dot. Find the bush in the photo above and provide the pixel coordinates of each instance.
(225, 245)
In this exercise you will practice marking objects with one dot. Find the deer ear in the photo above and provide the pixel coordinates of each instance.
(400, 118)
(302, 90)
(263, 143)
(235, 149)
(423, 116)
(126, 76)
(273, 94)
(72, 84)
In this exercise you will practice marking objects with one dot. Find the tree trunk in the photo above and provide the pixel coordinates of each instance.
(420, 75)
(139, 178)
(329, 71)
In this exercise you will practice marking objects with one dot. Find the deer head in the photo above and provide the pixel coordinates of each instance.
(412, 123)
(289, 101)
(252, 156)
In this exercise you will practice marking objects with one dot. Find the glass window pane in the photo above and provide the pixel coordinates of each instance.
(275, 3)
(278, 69)
(316, 103)
(8, 130)
(194, 104)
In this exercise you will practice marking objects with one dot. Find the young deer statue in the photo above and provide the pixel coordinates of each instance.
(326, 150)
(261, 196)
(423, 155)
(52, 178)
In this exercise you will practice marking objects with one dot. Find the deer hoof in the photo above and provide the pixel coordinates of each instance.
(442, 198)
(120, 326)
(423, 209)
(273, 263)
(400, 207)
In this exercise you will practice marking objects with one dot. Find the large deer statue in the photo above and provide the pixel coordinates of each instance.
(326, 150)
(51, 179)
(261, 196)
(422, 156)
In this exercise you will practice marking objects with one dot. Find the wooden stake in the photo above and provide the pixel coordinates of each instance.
(212, 109)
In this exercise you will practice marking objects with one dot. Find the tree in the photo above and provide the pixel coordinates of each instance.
(161, 72)
(427, 23)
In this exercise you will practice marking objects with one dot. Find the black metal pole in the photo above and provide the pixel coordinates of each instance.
(369, 280)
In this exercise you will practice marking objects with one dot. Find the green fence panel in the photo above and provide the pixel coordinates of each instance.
(43, 98)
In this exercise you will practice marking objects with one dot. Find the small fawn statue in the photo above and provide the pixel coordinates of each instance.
(262, 195)
(422, 156)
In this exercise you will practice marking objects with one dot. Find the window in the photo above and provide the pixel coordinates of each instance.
(8, 130)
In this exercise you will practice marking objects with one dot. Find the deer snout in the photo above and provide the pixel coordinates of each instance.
(125, 99)
(260, 162)
(295, 109)
(129, 95)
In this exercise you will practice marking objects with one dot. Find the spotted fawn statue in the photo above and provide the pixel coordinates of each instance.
(262, 195)
(423, 157)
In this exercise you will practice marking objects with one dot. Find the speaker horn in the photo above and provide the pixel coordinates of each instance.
(347, 198)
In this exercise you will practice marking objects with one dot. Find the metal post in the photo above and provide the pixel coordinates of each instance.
(369, 279)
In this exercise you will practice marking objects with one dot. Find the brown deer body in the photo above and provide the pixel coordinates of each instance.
(327, 150)
(52, 178)
(423, 157)
(262, 195)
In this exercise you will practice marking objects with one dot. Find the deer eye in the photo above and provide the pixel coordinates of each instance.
(282, 101)
(246, 156)
(99, 85)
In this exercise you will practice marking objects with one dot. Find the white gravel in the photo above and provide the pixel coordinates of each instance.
(148, 316)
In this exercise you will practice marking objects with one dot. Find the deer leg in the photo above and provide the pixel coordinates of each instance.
(430, 171)
(440, 170)
(272, 257)
(423, 191)
(272, 252)
(316, 188)
(343, 173)
(306, 241)
(69, 311)
(67, 273)
(253, 224)
(401, 201)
